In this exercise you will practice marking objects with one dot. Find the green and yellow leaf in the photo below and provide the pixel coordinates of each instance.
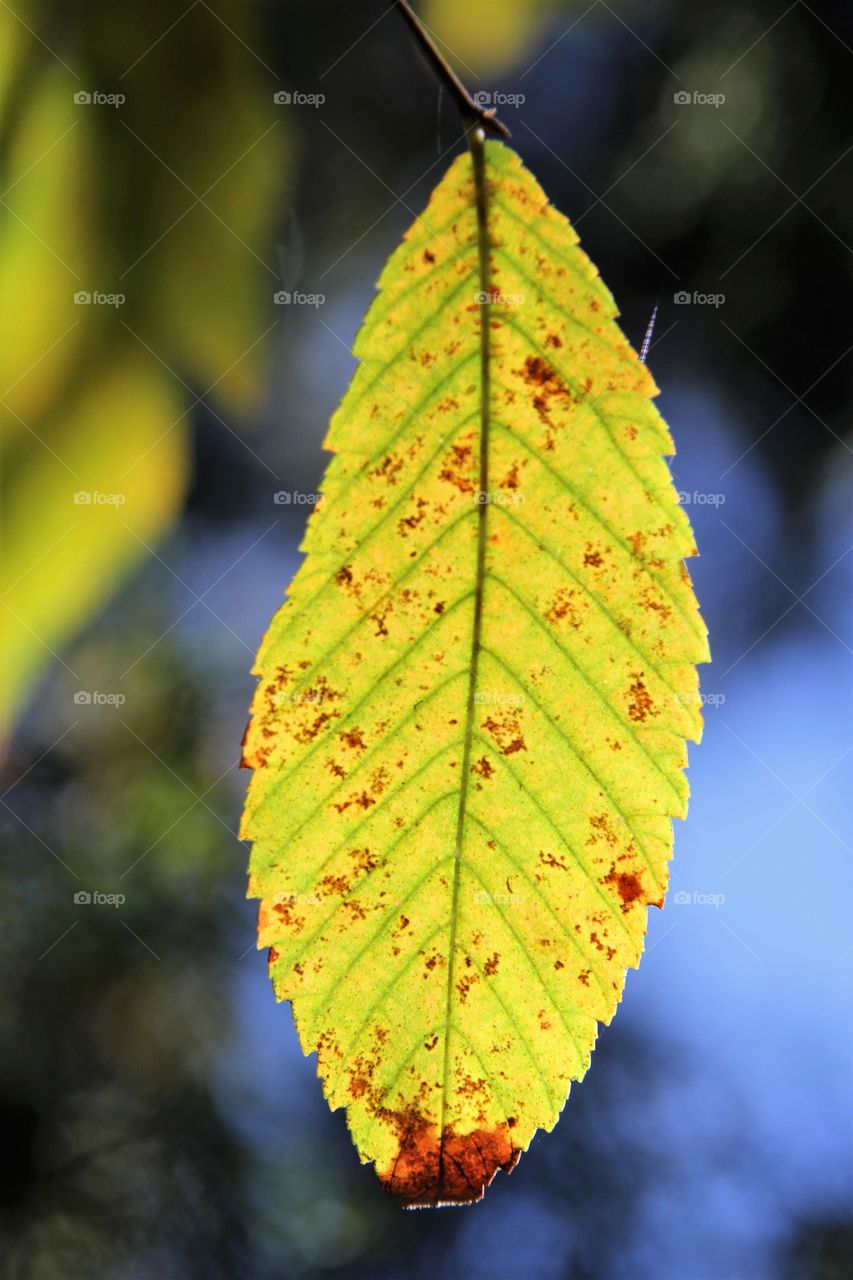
(469, 731)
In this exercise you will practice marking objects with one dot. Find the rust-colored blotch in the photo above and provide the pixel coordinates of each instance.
(428, 1172)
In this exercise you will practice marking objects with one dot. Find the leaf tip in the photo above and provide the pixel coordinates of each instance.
(429, 1172)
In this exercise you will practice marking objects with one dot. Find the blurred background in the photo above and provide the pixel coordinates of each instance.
(158, 1117)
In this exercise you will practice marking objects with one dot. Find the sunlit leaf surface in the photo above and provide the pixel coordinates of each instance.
(469, 732)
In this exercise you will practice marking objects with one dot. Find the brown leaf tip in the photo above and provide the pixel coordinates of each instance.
(428, 1173)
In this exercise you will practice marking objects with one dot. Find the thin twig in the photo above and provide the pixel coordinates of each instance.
(468, 108)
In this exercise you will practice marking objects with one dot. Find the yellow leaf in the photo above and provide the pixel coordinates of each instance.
(46, 251)
(113, 203)
(469, 731)
(79, 514)
(487, 35)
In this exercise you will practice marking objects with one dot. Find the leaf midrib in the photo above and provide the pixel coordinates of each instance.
(478, 161)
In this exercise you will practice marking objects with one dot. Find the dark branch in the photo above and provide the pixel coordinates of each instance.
(470, 110)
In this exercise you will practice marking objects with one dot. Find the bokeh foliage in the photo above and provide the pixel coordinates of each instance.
(170, 201)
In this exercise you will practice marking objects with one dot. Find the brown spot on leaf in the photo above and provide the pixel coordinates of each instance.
(455, 465)
(379, 619)
(388, 469)
(365, 861)
(465, 984)
(408, 523)
(331, 886)
(538, 373)
(601, 824)
(651, 605)
(506, 733)
(563, 608)
(483, 767)
(353, 739)
(363, 800)
(637, 541)
(454, 1168)
(627, 884)
(641, 706)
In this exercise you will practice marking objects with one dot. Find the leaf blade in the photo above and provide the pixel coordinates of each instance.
(492, 613)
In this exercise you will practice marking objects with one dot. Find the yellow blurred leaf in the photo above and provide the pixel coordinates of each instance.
(47, 249)
(145, 164)
(487, 35)
(73, 527)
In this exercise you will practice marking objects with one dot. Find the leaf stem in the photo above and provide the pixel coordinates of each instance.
(471, 111)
